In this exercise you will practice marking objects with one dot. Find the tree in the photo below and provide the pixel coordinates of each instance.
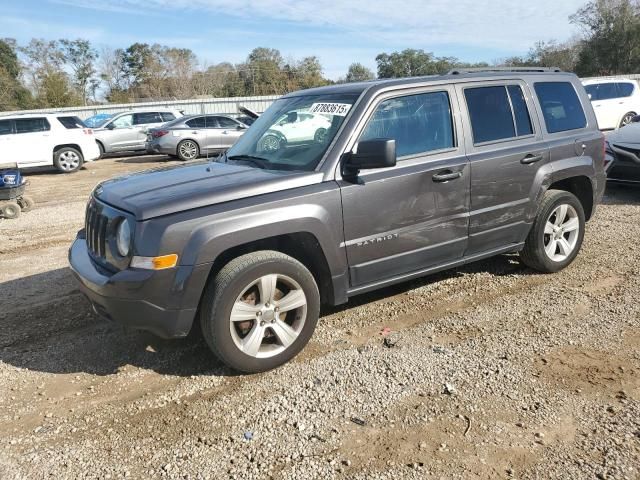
(12, 94)
(308, 74)
(80, 57)
(413, 63)
(112, 72)
(359, 73)
(611, 43)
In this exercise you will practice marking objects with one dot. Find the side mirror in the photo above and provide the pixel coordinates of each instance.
(376, 153)
(636, 119)
(241, 127)
(111, 126)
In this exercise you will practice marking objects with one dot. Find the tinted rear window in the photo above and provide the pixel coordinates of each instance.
(560, 106)
(197, 122)
(71, 122)
(6, 127)
(490, 113)
(625, 89)
(29, 125)
(167, 116)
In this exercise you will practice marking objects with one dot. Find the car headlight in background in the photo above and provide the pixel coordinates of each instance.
(123, 238)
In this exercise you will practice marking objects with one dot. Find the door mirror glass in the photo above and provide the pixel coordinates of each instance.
(241, 127)
(636, 119)
(375, 153)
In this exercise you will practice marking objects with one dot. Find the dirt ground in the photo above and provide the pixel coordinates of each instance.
(491, 371)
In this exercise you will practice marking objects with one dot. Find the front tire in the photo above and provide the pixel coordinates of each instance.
(259, 311)
(557, 233)
(188, 150)
(67, 160)
(10, 210)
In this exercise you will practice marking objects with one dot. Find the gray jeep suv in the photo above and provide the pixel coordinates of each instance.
(411, 176)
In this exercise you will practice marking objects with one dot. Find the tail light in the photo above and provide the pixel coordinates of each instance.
(88, 131)
(159, 133)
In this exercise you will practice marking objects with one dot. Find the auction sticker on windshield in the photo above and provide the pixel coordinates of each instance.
(339, 109)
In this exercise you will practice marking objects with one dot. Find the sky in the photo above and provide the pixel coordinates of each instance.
(338, 32)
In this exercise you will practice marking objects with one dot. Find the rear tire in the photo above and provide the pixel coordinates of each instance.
(188, 150)
(10, 210)
(275, 302)
(557, 233)
(67, 160)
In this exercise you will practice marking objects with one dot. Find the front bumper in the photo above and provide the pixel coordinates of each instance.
(162, 302)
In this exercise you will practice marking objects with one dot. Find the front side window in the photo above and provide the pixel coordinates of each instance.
(625, 89)
(418, 123)
(224, 122)
(277, 140)
(146, 118)
(561, 106)
(124, 121)
(30, 125)
(6, 127)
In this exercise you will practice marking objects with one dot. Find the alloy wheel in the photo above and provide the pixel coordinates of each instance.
(268, 316)
(561, 232)
(188, 150)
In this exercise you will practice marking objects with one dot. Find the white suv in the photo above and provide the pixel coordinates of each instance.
(615, 100)
(43, 139)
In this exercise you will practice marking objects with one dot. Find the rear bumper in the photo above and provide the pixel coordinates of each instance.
(158, 148)
(163, 302)
(91, 151)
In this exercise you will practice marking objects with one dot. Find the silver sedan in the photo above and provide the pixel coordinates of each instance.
(189, 137)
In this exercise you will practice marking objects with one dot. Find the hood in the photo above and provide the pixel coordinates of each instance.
(248, 112)
(175, 189)
(629, 135)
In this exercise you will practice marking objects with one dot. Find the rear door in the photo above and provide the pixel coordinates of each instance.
(506, 149)
(7, 142)
(412, 217)
(33, 142)
(607, 105)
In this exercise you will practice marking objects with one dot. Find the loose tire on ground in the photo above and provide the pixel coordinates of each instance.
(10, 210)
(546, 248)
(26, 203)
(237, 289)
(67, 160)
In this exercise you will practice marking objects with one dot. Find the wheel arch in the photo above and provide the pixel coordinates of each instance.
(68, 145)
(303, 246)
(580, 186)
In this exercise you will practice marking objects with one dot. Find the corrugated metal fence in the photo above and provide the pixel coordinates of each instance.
(194, 106)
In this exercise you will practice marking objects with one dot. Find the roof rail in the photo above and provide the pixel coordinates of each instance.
(460, 71)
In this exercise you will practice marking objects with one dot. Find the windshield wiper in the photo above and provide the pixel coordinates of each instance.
(257, 161)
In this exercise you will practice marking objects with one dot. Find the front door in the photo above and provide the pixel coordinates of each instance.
(414, 216)
(121, 134)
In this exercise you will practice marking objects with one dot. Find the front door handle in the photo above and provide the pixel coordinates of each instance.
(446, 176)
(531, 159)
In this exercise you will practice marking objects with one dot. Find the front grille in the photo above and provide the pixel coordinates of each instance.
(96, 231)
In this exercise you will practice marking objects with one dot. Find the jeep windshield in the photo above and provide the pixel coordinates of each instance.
(294, 133)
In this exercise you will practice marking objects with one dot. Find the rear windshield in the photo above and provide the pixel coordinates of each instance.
(561, 106)
(71, 122)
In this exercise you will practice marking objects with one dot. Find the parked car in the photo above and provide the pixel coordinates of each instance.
(189, 137)
(625, 145)
(295, 127)
(412, 176)
(127, 131)
(616, 101)
(96, 120)
(42, 139)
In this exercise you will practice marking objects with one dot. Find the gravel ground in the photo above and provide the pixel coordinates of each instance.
(490, 371)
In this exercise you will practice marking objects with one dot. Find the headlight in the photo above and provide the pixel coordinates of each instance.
(123, 238)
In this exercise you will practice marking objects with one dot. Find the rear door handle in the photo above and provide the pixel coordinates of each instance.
(531, 159)
(446, 176)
